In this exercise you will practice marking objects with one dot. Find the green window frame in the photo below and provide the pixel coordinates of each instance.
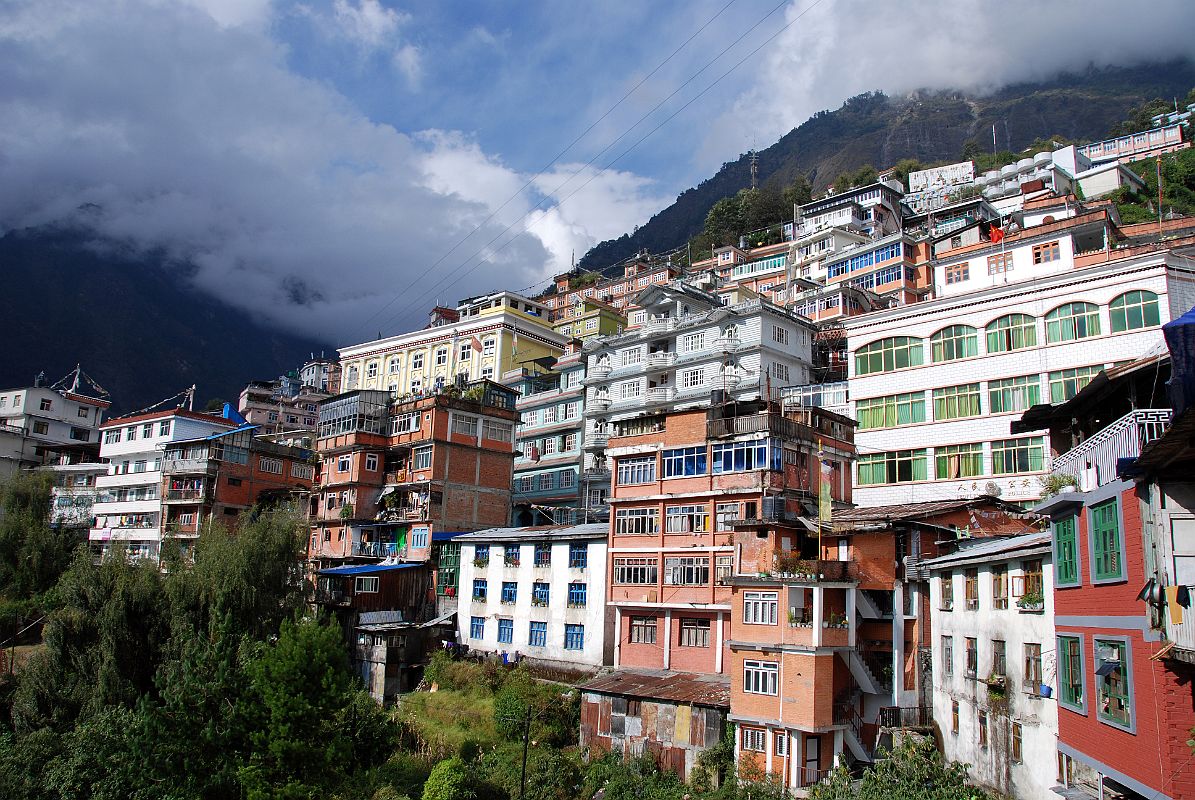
(1072, 321)
(1066, 383)
(1072, 679)
(1016, 456)
(1066, 552)
(897, 466)
(890, 411)
(1011, 332)
(954, 342)
(1134, 310)
(886, 355)
(1009, 395)
(1107, 558)
(957, 402)
(1113, 681)
(958, 461)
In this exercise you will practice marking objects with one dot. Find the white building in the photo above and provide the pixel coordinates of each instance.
(936, 385)
(128, 512)
(540, 592)
(74, 493)
(992, 629)
(37, 418)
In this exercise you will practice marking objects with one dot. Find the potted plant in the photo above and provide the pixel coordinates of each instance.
(1057, 483)
(1031, 601)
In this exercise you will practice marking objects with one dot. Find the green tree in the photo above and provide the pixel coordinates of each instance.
(555, 711)
(33, 555)
(632, 779)
(724, 222)
(799, 192)
(913, 771)
(449, 780)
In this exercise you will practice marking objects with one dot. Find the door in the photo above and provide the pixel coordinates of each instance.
(813, 759)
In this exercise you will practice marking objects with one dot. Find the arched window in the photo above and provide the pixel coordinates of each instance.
(1072, 321)
(954, 342)
(885, 355)
(1011, 332)
(1133, 310)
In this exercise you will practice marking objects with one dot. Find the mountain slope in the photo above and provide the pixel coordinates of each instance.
(878, 130)
(135, 327)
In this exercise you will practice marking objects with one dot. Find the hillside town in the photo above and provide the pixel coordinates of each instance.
(916, 463)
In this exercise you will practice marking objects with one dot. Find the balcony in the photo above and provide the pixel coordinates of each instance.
(600, 403)
(725, 382)
(375, 549)
(727, 344)
(596, 440)
(661, 394)
(1093, 463)
(185, 496)
(772, 424)
(661, 359)
(600, 371)
(174, 466)
(659, 325)
(331, 597)
(910, 717)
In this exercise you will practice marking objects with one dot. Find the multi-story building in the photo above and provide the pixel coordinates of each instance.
(283, 405)
(588, 318)
(618, 292)
(37, 419)
(992, 628)
(481, 339)
(538, 592)
(1142, 144)
(321, 373)
(128, 513)
(74, 470)
(1032, 317)
(394, 473)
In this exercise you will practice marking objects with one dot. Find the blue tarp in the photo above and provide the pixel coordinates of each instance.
(361, 569)
(1180, 338)
(443, 536)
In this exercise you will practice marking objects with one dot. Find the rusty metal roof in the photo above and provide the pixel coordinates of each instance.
(843, 520)
(655, 684)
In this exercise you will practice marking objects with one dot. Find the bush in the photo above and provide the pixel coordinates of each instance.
(449, 780)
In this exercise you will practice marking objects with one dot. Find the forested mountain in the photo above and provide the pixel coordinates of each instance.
(929, 127)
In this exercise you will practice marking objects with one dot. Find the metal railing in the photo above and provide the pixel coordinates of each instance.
(186, 465)
(1093, 463)
(757, 423)
(910, 717)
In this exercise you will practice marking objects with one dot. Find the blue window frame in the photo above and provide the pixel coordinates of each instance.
(578, 555)
(479, 589)
(476, 627)
(419, 537)
(574, 637)
(537, 634)
(576, 594)
(481, 555)
(746, 456)
(510, 591)
(684, 461)
(506, 631)
(540, 592)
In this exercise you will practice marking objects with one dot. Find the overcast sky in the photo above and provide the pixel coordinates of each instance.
(340, 166)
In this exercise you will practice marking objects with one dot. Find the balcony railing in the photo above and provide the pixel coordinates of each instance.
(727, 344)
(912, 717)
(757, 423)
(185, 494)
(661, 359)
(375, 549)
(173, 465)
(331, 597)
(596, 440)
(600, 370)
(600, 403)
(1093, 463)
(661, 394)
(659, 325)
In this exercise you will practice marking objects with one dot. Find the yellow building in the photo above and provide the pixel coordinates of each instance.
(587, 318)
(483, 337)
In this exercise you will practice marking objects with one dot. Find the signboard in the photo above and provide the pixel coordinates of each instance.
(941, 177)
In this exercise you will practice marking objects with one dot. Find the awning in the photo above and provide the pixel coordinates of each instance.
(363, 569)
(438, 620)
(1107, 668)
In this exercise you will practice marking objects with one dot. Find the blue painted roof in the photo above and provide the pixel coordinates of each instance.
(361, 569)
(443, 536)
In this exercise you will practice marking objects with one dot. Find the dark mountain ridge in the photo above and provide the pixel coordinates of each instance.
(930, 127)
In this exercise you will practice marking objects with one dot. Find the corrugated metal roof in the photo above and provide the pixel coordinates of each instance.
(362, 569)
(680, 687)
(907, 511)
(991, 549)
(591, 530)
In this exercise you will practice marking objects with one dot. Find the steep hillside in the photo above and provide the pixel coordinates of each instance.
(878, 130)
(136, 328)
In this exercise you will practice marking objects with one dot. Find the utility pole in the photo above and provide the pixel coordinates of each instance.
(526, 742)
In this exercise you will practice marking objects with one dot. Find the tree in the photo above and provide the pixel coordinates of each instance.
(799, 192)
(913, 771)
(449, 780)
(33, 555)
(724, 222)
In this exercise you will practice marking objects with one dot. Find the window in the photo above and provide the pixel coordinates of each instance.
(636, 571)
(416, 385)
(1134, 310)
(898, 466)
(506, 630)
(1032, 666)
(694, 632)
(112, 436)
(999, 263)
(44, 405)
(632, 356)
(746, 456)
(147, 430)
(1043, 253)
(1032, 578)
(1013, 394)
(890, 411)
(393, 367)
(896, 352)
(761, 677)
(694, 342)
(417, 361)
(549, 415)
(465, 352)
(1013, 456)
(487, 373)
(684, 461)
(779, 334)
(1066, 383)
(957, 273)
(1114, 692)
(273, 466)
(419, 537)
(780, 738)
(1107, 564)
(946, 587)
(541, 593)
(759, 608)
(537, 634)
(629, 390)
(956, 402)
(1000, 587)
(547, 446)
(971, 588)
(498, 431)
(755, 740)
(577, 594)
(636, 470)
(687, 571)
(476, 627)
(1066, 554)
(1011, 332)
(643, 630)
(366, 585)
(571, 410)
(954, 717)
(724, 513)
(958, 461)
(487, 346)
(41, 427)
(479, 589)
(481, 555)
(954, 342)
(692, 378)
(687, 519)
(464, 426)
(999, 657)
(637, 521)
(422, 458)
(574, 637)
(1072, 321)
(442, 360)
(972, 656)
(947, 656)
(542, 555)
(578, 555)
(982, 724)
(511, 555)
(344, 463)
(1015, 746)
(1070, 673)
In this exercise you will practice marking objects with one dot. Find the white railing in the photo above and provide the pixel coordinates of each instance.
(596, 439)
(185, 465)
(660, 325)
(725, 382)
(660, 394)
(600, 370)
(661, 359)
(1093, 463)
(727, 344)
(600, 403)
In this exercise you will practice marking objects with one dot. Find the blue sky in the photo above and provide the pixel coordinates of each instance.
(337, 166)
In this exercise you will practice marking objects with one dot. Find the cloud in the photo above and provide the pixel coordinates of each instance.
(835, 49)
(169, 130)
(367, 23)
